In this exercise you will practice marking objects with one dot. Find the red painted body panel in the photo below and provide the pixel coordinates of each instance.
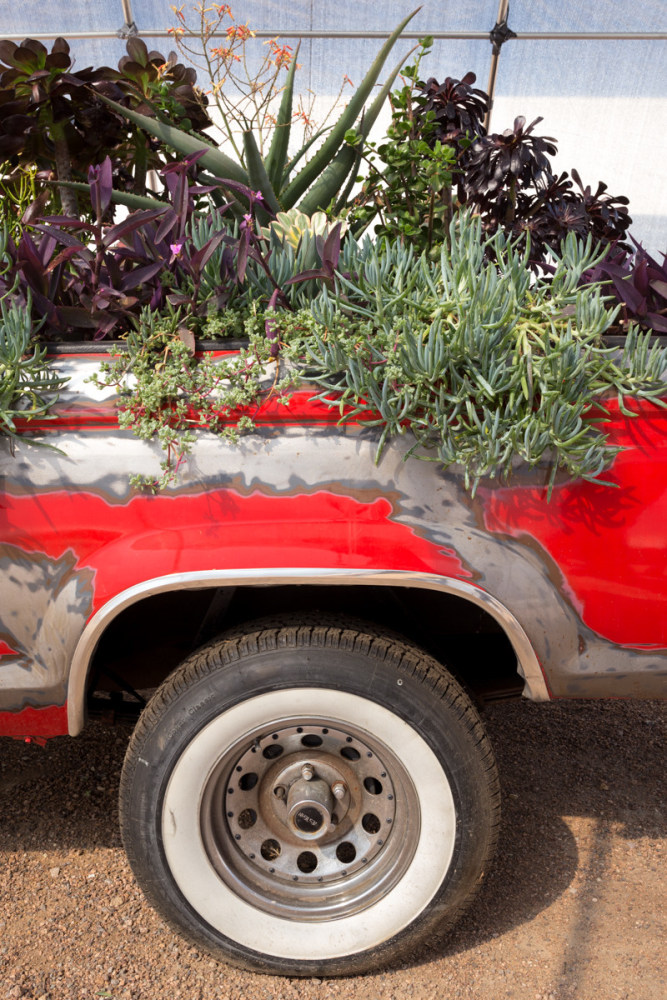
(148, 537)
(299, 408)
(582, 572)
(35, 722)
(608, 542)
(124, 544)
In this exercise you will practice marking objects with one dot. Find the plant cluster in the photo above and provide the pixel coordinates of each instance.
(408, 189)
(53, 117)
(474, 321)
(480, 360)
(175, 394)
(28, 388)
(92, 280)
(78, 278)
(319, 179)
(482, 363)
(439, 157)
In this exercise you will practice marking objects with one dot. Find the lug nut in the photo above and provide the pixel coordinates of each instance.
(280, 792)
(338, 788)
(307, 771)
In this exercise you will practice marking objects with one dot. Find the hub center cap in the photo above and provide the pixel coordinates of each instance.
(310, 807)
(309, 804)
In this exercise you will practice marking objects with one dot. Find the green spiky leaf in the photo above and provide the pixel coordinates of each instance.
(332, 144)
(276, 158)
(259, 179)
(214, 160)
(334, 176)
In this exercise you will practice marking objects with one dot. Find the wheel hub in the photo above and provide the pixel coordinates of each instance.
(310, 818)
(310, 802)
(325, 788)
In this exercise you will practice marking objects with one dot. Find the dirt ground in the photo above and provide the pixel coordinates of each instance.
(574, 908)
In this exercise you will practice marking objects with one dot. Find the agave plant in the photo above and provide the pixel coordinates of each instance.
(282, 187)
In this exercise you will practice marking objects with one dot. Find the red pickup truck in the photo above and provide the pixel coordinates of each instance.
(310, 790)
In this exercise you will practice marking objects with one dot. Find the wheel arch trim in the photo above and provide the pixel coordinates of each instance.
(535, 687)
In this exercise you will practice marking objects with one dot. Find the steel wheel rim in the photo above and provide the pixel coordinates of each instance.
(264, 854)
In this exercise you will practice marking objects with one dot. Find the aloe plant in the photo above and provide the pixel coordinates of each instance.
(321, 178)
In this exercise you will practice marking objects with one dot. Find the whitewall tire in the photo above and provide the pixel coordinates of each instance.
(309, 799)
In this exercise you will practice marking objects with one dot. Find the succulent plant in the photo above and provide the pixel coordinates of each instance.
(291, 227)
(506, 160)
(53, 117)
(275, 176)
(453, 109)
(27, 385)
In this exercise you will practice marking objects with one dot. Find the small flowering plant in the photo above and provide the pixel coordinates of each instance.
(242, 89)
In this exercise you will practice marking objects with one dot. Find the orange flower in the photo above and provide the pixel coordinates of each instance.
(282, 53)
(242, 32)
(302, 116)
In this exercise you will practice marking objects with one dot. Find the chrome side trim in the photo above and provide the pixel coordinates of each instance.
(535, 686)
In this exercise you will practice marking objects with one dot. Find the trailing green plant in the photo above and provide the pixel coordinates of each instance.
(28, 386)
(176, 394)
(484, 363)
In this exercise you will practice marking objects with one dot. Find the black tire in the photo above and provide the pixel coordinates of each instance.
(231, 825)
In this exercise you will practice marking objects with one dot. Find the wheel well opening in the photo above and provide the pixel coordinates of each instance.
(149, 639)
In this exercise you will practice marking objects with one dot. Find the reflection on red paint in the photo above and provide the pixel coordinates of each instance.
(148, 537)
(608, 543)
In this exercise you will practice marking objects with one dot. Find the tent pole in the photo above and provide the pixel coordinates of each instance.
(498, 36)
(129, 28)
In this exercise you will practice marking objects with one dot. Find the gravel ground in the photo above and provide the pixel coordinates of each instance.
(574, 908)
